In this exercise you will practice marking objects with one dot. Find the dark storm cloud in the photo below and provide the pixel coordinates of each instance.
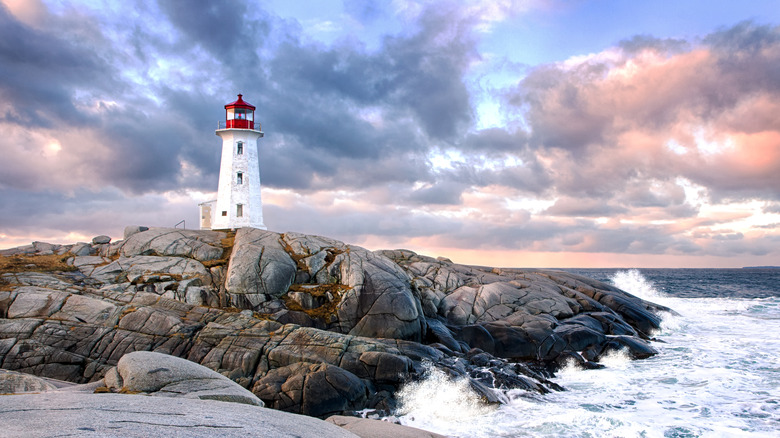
(440, 193)
(41, 70)
(128, 112)
(583, 207)
(321, 92)
(84, 211)
(495, 140)
(348, 115)
(222, 28)
(386, 221)
(639, 43)
(331, 111)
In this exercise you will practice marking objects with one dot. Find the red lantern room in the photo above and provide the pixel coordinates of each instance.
(240, 115)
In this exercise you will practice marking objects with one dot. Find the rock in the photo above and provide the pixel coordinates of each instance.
(377, 300)
(101, 240)
(14, 383)
(342, 324)
(132, 229)
(438, 332)
(579, 337)
(126, 415)
(305, 300)
(43, 248)
(87, 310)
(32, 301)
(199, 245)
(135, 268)
(367, 428)
(165, 375)
(636, 348)
(494, 301)
(259, 270)
(82, 249)
(311, 389)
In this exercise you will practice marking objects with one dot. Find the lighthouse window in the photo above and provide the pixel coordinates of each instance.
(240, 148)
(239, 210)
(240, 178)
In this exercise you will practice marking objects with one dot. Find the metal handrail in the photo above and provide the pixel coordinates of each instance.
(181, 222)
(222, 124)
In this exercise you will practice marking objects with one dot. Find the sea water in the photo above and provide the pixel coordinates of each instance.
(717, 373)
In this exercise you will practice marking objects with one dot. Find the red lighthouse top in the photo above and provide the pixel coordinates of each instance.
(240, 114)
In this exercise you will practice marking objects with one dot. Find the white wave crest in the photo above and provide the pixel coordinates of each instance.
(616, 359)
(633, 282)
(439, 398)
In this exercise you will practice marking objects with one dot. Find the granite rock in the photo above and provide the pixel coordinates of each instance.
(79, 414)
(368, 428)
(309, 324)
(170, 376)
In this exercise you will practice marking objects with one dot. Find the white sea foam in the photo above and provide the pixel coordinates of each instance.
(633, 282)
(439, 398)
(717, 375)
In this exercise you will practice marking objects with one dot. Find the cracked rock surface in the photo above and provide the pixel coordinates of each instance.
(124, 415)
(308, 324)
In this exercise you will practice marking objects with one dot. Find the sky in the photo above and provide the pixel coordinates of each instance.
(538, 133)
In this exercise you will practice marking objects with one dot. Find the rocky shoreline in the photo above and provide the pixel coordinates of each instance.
(309, 325)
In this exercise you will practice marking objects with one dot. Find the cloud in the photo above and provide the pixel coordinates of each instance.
(615, 114)
(583, 207)
(641, 148)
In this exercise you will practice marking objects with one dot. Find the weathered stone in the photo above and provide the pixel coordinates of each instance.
(259, 270)
(126, 415)
(367, 428)
(161, 374)
(88, 310)
(77, 325)
(14, 383)
(32, 301)
(101, 240)
(495, 301)
(636, 348)
(134, 268)
(132, 229)
(311, 389)
(199, 245)
(438, 332)
(82, 249)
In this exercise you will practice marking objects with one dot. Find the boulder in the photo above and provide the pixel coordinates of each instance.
(82, 249)
(377, 299)
(165, 375)
(135, 268)
(498, 300)
(368, 428)
(15, 383)
(318, 390)
(260, 269)
(199, 245)
(101, 240)
(132, 229)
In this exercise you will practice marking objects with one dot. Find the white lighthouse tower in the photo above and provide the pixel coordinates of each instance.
(238, 203)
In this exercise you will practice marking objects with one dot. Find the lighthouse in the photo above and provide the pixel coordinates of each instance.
(239, 203)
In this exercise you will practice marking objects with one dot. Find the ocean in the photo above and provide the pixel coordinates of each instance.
(717, 374)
